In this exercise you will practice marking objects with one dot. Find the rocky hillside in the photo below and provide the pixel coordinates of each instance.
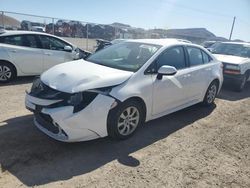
(8, 21)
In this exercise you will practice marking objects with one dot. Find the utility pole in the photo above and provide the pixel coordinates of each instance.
(3, 19)
(232, 28)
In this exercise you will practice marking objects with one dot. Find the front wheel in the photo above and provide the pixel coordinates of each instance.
(211, 94)
(124, 120)
(7, 72)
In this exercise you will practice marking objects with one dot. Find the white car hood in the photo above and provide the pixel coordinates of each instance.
(81, 75)
(230, 59)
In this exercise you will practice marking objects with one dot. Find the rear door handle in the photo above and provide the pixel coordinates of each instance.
(208, 69)
(48, 53)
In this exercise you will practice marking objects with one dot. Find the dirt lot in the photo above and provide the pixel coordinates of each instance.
(196, 147)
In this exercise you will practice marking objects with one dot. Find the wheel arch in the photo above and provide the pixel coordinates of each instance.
(141, 102)
(248, 73)
(8, 62)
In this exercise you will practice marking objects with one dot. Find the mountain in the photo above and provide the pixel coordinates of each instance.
(8, 21)
(120, 25)
(195, 35)
(191, 32)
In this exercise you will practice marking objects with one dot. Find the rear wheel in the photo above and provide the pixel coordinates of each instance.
(211, 94)
(7, 72)
(124, 120)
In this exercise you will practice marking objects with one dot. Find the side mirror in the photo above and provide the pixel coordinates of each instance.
(68, 48)
(166, 70)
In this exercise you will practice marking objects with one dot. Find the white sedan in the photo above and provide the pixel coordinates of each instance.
(26, 53)
(118, 88)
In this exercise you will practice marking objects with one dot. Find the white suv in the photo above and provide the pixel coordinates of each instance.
(26, 53)
(118, 88)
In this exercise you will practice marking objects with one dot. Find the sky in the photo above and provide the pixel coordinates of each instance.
(215, 15)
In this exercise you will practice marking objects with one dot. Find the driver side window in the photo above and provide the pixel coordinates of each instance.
(51, 43)
(173, 57)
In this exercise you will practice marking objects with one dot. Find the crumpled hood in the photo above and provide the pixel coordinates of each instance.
(81, 75)
(230, 59)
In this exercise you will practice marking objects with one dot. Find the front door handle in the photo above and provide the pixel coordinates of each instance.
(14, 51)
(187, 75)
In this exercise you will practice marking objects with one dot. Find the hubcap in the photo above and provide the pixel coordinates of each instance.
(128, 121)
(5, 73)
(211, 93)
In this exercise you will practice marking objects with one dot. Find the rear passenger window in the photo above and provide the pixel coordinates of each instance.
(173, 57)
(195, 56)
(21, 40)
(13, 40)
(206, 58)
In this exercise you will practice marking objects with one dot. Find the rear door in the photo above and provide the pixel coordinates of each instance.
(200, 71)
(26, 52)
(53, 51)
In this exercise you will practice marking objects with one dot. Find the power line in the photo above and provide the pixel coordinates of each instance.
(199, 10)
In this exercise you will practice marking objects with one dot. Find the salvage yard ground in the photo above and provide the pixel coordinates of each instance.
(196, 147)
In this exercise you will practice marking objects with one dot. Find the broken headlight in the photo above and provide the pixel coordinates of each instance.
(82, 99)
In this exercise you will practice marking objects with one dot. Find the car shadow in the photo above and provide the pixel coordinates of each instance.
(35, 159)
(20, 80)
(227, 93)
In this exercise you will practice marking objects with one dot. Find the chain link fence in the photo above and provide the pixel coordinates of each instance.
(84, 34)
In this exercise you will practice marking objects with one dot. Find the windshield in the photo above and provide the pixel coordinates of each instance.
(129, 56)
(231, 49)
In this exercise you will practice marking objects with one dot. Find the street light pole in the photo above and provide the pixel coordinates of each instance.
(232, 28)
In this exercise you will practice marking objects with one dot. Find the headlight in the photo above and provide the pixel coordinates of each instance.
(75, 99)
(37, 85)
(232, 67)
(81, 100)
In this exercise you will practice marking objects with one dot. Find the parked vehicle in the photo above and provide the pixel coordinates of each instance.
(236, 60)
(120, 87)
(102, 44)
(208, 44)
(25, 53)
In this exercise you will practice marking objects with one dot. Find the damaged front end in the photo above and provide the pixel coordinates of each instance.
(70, 117)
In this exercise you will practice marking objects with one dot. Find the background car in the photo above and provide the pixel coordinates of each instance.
(25, 53)
(120, 87)
(236, 60)
(208, 44)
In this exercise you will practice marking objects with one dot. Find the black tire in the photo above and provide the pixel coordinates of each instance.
(7, 72)
(114, 118)
(211, 94)
(241, 84)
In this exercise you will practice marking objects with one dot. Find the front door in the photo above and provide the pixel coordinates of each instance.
(53, 50)
(171, 92)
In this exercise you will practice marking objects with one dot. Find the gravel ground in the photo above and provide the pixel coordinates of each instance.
(196, 147)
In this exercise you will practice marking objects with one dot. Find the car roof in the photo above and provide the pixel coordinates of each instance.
(164, 42)
(17, 32)
(242, 43)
